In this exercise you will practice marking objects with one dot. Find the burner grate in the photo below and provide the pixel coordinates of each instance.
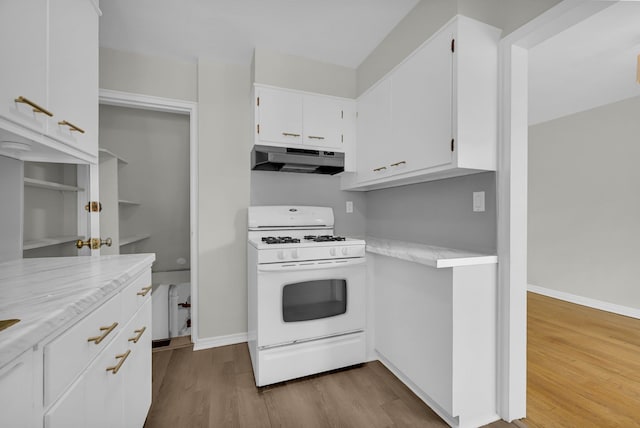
(280, 240)
(324, 238)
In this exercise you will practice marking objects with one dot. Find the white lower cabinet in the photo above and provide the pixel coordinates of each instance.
(114, 388)
(17, 395)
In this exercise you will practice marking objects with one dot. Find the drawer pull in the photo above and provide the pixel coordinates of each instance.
(399, 163)
(105, 332)
(379, 169)
(313, 137)
(71, 126)
(122, 358)
(143, 292)
(36, 107)
(290, 134)
(140, 332)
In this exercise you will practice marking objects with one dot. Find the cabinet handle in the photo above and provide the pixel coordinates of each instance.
(36, 107)
(71, 126)
(289, 134)
(122, 358)
(313, 137)
(143, 291)
(105, 332)
(140, 332)
(379, 169)
(399, 163)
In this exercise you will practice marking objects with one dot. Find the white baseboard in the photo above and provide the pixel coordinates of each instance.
(586, 301)
(215, 342)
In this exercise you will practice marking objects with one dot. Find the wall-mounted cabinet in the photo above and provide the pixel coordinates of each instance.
(288, 118)
(51, 198)
(433, 116)
(49, 89)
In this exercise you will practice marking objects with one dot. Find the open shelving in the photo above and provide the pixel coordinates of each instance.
(50, 185)
(49, 242)
(131, 239)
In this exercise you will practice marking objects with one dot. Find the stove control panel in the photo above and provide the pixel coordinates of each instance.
(280, 255)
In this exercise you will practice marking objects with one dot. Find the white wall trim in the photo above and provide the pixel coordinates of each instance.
(217, 341)
(512, 194)
(190, 108)
(586, 301)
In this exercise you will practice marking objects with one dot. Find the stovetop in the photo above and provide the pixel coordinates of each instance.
(270, 240)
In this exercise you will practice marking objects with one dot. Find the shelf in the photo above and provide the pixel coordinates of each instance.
(48, 242)
(51, 185)
(125, 202)
(131, 239)
(105, 152)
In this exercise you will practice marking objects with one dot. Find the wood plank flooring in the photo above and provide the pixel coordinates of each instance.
(583, 366)
(215, 388)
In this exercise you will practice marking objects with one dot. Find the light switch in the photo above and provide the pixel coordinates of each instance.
(349, 207)
(478, 202)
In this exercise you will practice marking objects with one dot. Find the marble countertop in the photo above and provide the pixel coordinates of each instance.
(437, 257)
(48, 293)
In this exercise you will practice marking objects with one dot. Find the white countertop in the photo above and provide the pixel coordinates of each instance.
(437, 257)
(48, 293)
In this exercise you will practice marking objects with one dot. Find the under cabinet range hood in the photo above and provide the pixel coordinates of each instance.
(286, 159)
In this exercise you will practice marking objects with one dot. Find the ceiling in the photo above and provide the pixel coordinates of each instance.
(588, 65)
(342, 32)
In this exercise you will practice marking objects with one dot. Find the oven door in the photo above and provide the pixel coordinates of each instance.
(309, 300)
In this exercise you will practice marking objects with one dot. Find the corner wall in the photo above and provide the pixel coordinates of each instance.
(584, 209)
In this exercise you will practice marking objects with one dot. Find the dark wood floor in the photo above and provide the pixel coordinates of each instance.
(583, 366)
(215, 388)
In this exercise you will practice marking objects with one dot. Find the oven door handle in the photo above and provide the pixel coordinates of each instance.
(311, 265)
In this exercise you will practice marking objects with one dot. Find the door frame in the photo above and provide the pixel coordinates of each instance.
(512, 181)
(190, 108)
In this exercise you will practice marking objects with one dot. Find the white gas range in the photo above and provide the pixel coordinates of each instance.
(306, 294)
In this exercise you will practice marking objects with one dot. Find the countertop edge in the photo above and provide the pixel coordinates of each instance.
(432, 256)
(25, 340)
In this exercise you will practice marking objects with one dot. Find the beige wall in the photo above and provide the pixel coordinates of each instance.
(224, 145)
(584, 209)
(293, 72)
(430, 15)
(148, 75)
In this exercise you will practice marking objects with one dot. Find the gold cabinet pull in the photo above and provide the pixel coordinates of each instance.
(290, 134)
(143, 292)
(140, 332)
(122, 358)
(399, 163)
(36, 107)
(379, 169)
(71, 126)
(105, 332)
(314, 137)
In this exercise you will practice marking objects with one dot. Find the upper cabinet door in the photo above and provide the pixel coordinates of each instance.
(421, 107)
(279, 117)
(73, 74)
(374, 144)
(23, 31)
(322, 121)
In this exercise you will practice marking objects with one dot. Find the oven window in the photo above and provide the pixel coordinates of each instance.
(312, 300)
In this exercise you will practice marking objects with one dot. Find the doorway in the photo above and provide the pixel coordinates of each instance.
(148, 172)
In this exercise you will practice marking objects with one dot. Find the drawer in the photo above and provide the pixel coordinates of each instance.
(136, 294)
(67, 355)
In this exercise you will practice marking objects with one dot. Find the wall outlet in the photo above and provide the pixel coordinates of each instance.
(478, 202)
(349, 207)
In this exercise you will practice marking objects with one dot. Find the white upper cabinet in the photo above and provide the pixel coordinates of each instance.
(280, 117)
(374, 132)
(322, 119)
(289, 118)
(49, 85)
(73, 73)
(23, 31)
(439, 118)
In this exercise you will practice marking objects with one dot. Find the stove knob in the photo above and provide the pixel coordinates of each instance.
(345, 251)
(332, 251)
(294, 254)
(280, 255)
